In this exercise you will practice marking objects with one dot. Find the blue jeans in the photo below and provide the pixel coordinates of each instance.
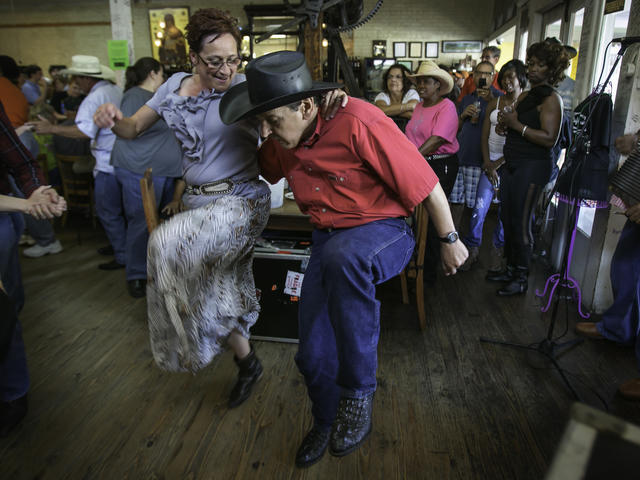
(621, 322)
(137, 235)
(339, 316)
(14, 374)
(484, 196)
(110, 212)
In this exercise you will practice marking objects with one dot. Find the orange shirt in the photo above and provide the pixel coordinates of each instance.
(15, 103)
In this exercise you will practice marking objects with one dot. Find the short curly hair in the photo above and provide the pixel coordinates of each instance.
(208, 21)
(553, 56)
(518, 68)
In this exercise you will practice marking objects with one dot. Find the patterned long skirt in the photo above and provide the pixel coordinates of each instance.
(200, 280)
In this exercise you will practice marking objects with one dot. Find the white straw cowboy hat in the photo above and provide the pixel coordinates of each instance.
(273, 80)
(88, 66)
(429, 68)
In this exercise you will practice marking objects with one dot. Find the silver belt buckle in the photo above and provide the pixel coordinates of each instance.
(222, 186)
(211, 188)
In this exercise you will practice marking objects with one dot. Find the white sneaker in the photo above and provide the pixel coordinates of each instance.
(39, 251)
(26, 240)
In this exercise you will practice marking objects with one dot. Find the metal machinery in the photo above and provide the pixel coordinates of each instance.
(338, 16)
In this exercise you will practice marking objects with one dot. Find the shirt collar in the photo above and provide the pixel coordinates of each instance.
(98, 85)
(316, 132)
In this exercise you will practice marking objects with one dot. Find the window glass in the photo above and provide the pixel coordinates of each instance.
(613, 25)
(505, 43)
(524, 38)
(575, 31)
(553, 29)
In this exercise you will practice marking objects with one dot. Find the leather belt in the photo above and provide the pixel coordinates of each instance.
(211, 188)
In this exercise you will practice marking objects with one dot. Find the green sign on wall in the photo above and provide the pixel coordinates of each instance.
(118, 51)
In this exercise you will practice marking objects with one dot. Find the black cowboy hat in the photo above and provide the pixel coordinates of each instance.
(273, 80)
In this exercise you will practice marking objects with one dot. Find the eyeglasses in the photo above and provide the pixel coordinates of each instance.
(217, 64)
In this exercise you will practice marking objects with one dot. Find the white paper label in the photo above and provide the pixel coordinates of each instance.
(293, 285)
(586, 215)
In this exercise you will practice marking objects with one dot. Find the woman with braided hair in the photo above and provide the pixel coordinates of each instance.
(532, 129)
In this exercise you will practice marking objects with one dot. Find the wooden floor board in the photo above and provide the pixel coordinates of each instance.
(447, 406)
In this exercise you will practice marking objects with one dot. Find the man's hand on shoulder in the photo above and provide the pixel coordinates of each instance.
(332, 101)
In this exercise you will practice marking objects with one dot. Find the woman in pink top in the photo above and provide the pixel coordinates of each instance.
(433, 128)
(434, 124)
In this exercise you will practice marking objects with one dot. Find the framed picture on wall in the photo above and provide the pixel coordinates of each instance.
(461, 46)
(431, 49)
(168, 45)
(399, 49)
(379, 48)
(415, 49)
(406, 63)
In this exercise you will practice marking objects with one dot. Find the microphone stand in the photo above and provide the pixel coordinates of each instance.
(548, 346)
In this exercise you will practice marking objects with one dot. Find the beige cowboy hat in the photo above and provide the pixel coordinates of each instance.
(429, 68)
(88, 66)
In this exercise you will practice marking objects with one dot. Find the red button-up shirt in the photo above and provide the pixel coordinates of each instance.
(354, 169)
(16, 160)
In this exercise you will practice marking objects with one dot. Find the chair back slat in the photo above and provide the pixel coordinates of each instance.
(149, 201)
(77, 187)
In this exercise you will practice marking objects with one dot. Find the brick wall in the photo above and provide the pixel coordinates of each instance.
(398, 20)
(422, 21)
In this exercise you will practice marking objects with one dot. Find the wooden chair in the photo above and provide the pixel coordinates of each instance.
(42, 161)
(149, 201)
(77, 187)
(415, 268)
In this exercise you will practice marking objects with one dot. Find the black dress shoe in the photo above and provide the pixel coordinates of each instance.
(514, 287)
(11, 414)
(313, 446)
(352, 426)
(137, 288)
(106, 250)
(518, 283)
(500, 276)
(250, 371)
(112, 265)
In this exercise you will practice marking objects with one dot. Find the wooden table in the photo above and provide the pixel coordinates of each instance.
(289, 217)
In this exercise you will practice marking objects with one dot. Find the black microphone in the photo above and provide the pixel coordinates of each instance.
(626, 40)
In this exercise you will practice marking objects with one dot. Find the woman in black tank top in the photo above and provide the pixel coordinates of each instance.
(532, 131)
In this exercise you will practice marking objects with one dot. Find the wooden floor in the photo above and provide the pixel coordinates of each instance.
(447, 406)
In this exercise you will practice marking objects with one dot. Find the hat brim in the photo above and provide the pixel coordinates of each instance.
(445, 80)
(236, 104)
(104, 74)
(571, 51)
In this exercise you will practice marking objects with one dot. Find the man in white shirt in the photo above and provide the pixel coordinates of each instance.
(97, 82)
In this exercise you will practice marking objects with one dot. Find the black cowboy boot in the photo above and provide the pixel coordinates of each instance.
(250, 372)
(518, 284)
(505, 275)
(352, 425)
(313, 446)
